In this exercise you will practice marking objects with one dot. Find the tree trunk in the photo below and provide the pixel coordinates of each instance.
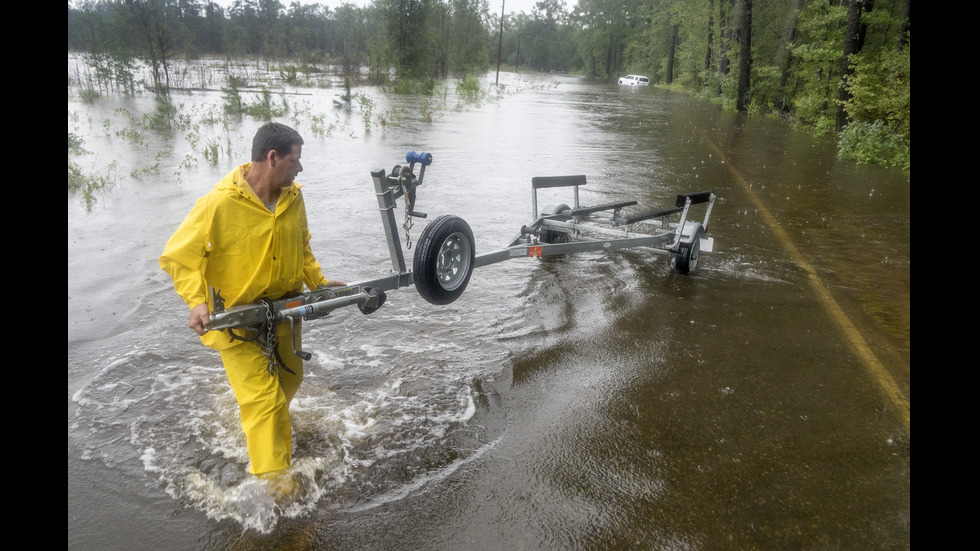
(745, 57)
(852, 44)
(903, 32)
(518, 62)
(670, 54)
(862, 26)
(788, 58)
(707, 54)
(725, 35)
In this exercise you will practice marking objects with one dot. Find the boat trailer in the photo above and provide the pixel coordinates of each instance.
(445, 255)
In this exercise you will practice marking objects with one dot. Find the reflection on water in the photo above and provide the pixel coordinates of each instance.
(599, 400)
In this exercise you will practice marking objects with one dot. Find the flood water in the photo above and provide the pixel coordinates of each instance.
(594, 401)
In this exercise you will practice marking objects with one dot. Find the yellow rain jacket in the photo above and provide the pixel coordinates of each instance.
(232, 242)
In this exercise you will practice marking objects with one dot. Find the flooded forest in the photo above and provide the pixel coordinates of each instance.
(833, 66)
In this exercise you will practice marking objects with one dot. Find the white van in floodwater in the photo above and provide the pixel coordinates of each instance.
(635, 80)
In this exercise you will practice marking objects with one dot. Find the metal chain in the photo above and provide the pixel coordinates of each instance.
(408, 214)
(270, 345)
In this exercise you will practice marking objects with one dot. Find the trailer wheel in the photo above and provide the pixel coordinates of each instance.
(687, 256)
(444, 260)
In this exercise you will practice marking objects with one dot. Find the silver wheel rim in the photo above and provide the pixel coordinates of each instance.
(453, 263)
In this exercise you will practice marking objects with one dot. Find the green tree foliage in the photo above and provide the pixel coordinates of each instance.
(406, 28)
(548, 42)
(606, 28)
(427, 38)
(96, 30)
(465, 38)
(797, 48)
(348, 39)
(417, 38)
(880, 89)
(157, 24)
(879, 109)
(816, 72)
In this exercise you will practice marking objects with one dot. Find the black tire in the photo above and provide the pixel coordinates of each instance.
(551, 209)
(444, 260)
(687, 256)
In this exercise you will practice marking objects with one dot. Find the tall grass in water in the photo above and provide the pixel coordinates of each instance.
(87, 185)
(346, 98)
(231, 97)
(264, 109)
(165, 113)
(469, 88)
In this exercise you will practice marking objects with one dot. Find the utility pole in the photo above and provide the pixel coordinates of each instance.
(500, 41)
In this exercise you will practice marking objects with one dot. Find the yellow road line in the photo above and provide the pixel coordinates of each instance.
(893, 394)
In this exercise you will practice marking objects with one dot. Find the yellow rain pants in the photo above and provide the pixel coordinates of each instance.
(263, 402)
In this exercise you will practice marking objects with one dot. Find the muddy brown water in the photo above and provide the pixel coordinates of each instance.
(585, 402)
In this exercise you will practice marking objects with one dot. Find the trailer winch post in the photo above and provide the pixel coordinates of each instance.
(386, 204)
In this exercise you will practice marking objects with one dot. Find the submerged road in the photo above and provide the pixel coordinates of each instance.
(886, 382)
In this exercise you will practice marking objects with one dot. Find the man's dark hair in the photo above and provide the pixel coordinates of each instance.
(274, 136)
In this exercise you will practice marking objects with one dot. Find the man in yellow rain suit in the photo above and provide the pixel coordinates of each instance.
(248, 239)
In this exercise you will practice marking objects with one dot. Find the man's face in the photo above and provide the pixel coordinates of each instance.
(288, 166)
